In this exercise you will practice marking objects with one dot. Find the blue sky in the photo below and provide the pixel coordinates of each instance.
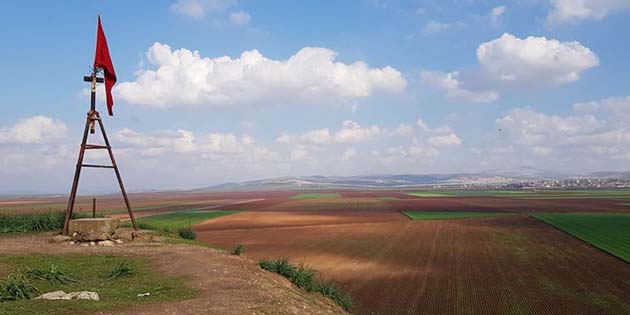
(326, 87)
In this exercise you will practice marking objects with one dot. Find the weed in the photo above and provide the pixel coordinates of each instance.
(304, 278)
(187, 233)
(238, 250)
(329, 290)
(123, 269)
(53, 275)
(17, 287)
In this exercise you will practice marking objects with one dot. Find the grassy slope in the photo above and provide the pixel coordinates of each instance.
(91, 273)
(316, 196)
(436, 215)
(609, 232)
(174, 220)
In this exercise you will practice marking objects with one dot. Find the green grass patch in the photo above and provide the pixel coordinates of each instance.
(424, 194)
(388, 198)
(174, 221)
(530, 194)
(90, 273)
(439, 215)
(28, 222)
(316, 196)
(609, 232)
(304, 277)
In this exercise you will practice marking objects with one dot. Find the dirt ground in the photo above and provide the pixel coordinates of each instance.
(507, 265)
(225, 284)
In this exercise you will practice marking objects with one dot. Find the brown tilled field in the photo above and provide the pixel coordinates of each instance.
(391, 265)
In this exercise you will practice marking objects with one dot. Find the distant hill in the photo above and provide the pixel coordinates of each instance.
(490, 177)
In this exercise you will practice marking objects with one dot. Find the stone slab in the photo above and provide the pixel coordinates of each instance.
(92, 229)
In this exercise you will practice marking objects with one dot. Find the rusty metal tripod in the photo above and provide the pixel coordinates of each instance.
(92, 117)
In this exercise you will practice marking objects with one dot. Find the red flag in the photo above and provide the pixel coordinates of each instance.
(104, 61)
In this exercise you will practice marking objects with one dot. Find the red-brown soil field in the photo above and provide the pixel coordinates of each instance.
(390, 264)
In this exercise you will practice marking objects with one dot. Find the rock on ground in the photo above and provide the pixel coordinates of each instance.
(60, 295)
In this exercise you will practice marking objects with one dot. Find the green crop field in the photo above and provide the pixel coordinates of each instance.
(388, 198)
(172, 221)
(530, 194)
(316, 196)
(425, 194)
(438, 215)
(609, 232)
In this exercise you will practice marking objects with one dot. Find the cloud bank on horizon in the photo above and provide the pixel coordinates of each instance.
(435, 91)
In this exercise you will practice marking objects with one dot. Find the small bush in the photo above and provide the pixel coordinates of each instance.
(304, 278)
(53, 275)
(17, 287)
(329, 290)
(123, 269)
(187, 233)
(238, 250)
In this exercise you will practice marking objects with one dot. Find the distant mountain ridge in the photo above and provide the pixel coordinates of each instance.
(491, 177)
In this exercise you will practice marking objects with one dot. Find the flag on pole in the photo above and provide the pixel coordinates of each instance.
(104, 61)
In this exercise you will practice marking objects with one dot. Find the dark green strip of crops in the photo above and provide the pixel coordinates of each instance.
(609, 232)
(439, 215)
(316, 196)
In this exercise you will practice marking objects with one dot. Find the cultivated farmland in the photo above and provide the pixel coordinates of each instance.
(496, 260)
(433, 215)
(480, 252)
(607, 231)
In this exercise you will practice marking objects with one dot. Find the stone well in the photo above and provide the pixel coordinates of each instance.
(92, 229)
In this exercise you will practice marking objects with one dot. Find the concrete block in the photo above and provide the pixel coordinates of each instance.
(93, 229)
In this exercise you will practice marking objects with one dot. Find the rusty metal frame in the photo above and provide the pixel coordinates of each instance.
(94, 117)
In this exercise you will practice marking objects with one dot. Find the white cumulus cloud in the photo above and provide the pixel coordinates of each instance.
(447, 140)
(36, 129)
(240, 18)
(509, 62)
(450, 84)
(183, 78)
(527, 126)
(573, 11)
(534, 61)
(199, 8)
(497, 13)
(437, 26)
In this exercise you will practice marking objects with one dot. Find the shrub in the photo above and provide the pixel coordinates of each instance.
(53, 275)
(304, 278)
(123, 269)
(17, 287)
(238, 250)
(187, 233)
(329, 290)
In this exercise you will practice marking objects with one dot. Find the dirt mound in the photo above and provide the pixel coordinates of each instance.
(225, 284)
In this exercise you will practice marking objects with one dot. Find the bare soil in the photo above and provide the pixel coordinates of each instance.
(506, 265)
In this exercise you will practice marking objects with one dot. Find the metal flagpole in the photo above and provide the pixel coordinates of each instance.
(92, 117)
